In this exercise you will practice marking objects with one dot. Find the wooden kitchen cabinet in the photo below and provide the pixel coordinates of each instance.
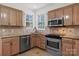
(15, 45)
(10, 46)
(33, 40)
(41, 41)
(51, 15)
(13, 17)
(6, 47)
(0, 16)
(5, 15)
(68, 15)
(75, 14)
(70, 47)
(67, 45)
(10, 16)
(59, 13)
(19, 19)
(38, 40)
(75, 47)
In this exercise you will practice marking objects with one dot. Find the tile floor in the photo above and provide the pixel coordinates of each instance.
(35, 52)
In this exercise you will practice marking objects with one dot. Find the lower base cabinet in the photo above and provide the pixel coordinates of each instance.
(6, 47)
(67, 47)
(15, 45)
(38, 40)
(33, 40)
(70, 47)
(10, 46)
(76, 48)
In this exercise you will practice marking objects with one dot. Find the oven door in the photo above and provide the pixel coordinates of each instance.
(53, 44)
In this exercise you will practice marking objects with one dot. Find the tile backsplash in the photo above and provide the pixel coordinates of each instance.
(74, 31)
(6, 31)
(22, 30)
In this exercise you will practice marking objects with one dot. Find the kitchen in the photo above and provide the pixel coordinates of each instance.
(39, 29)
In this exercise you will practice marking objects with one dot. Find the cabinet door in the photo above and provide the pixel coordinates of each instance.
(68, 15)
(76, 47)
(51, 14)
(0, 15)
(5, 15)
(6, 47)
(19, 18)
(33, 40)
(15, 45)
(0, 47)
(67, 47)
(37, 41)
(76, 14)
(41, 41)
(12, 17)
(59, 13)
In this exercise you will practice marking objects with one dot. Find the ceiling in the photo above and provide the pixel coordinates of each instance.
(33, 6)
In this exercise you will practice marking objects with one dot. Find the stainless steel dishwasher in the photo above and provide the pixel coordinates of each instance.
(24, 43)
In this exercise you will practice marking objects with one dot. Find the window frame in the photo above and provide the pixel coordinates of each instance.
(29, 21)
(38, 21)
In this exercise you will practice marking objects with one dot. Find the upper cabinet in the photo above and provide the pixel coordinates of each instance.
(51, 15)
(76, 14)
(13, 17)
(0, 15)
(59, 13)
(5, 14)
(10, 16)
(19, 15)
(68, 15)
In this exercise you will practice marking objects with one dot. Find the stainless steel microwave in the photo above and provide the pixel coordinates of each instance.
(56, 22)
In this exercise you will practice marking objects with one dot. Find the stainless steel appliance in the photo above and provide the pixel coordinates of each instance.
(24, 43)
(56, 22)
(53, 44)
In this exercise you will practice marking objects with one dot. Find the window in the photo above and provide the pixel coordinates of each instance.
(29, 20)
(41, 22)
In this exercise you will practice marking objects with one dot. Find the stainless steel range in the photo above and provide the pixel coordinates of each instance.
(53, 44)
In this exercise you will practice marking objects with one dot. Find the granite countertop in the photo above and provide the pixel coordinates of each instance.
(70, 36)
(20, 34)
(16, 34)
(12, 35)
(67, 36)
